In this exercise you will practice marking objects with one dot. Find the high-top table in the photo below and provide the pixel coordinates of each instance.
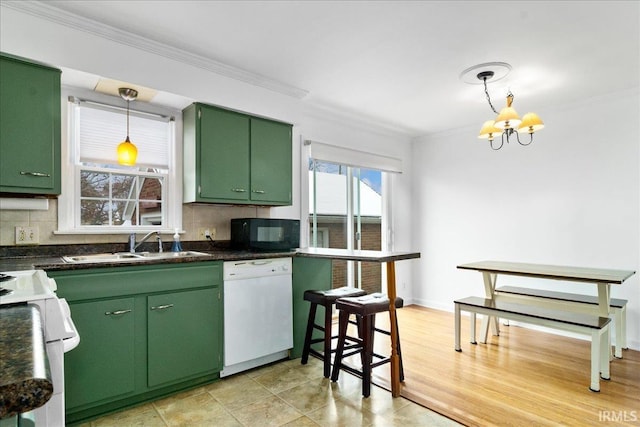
(602, 278)
(389, 258)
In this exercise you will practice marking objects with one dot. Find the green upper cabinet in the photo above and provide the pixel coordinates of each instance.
(270, 162)
(230, 157)
(224, 155)
(29, 127)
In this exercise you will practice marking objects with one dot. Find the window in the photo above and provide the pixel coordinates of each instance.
(101, 196)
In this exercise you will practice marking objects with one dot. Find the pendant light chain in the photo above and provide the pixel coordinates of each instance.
(128, 119)
(486, 92)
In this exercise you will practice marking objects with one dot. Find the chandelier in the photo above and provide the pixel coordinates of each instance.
(507, 122)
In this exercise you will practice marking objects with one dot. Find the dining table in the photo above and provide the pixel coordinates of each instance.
(602, 278)
(389, 258)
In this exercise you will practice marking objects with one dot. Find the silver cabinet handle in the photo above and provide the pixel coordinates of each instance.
(259, 191)
(41, 174)
(117, 312)
(162, 307)
(238, 190)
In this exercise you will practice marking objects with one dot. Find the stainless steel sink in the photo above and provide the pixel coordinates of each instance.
(170, 255)
(111, 257)
(129, 257)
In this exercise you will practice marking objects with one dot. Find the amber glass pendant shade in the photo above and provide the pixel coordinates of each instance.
(127, 153)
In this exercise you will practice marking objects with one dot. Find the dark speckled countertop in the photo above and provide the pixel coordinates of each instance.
(25, 380)
(49, 258)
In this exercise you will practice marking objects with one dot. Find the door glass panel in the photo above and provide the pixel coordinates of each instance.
(346, 216)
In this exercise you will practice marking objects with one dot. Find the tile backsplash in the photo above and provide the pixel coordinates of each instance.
(194, 216)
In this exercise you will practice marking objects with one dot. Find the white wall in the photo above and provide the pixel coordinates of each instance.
(570, 198)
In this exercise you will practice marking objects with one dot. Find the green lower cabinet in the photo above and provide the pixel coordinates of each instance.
(177, 349)
(103, 366)
(308, 274)
(146, 331)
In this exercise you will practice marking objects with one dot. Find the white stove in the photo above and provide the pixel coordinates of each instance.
(35, 288)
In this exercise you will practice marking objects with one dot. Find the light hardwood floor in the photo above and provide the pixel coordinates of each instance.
(523, 377)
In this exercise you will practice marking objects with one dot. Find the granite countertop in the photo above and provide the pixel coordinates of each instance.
(49, 258)
(356, 255)
(25, 380)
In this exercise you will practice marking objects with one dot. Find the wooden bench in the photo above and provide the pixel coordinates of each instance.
(595, 326)
(576, 303)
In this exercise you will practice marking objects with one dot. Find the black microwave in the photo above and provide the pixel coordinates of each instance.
(265, 234)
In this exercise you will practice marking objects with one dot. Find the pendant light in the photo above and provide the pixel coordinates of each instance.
(127, 152)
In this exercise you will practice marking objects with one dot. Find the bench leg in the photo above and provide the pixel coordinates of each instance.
(617, 319)
(596, 351)
(623, 327)
(605, 350)
(472, 322)
(457, 327)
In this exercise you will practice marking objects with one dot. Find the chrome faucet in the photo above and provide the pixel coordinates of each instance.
(132, 241)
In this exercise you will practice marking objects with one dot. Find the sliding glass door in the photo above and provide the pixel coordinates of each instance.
(345, 212)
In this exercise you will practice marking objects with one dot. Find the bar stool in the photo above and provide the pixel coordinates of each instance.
(365, 309)
(325, 299)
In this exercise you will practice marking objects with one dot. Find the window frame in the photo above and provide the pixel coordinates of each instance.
(69, 199)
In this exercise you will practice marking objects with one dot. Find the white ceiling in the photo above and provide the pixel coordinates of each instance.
(398, 62)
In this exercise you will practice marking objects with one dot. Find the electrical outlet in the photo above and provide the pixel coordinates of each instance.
(211, 231)
(205, 232)
(27, 236)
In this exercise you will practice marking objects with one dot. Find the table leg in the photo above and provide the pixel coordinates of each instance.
(395, 359)
(489, 292)
(457, 327)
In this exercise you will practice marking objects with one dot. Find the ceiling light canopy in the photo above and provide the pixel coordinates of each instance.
(507, 121)
(127, 152)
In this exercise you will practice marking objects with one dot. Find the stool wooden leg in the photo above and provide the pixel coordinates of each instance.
(342, 333)
(368, 324)
(400, 353)
(327, 340)
(308, 334)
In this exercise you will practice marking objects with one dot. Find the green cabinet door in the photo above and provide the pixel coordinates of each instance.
(224, 155)
(271, 162)
(308, 273)
(102, 366)
(29, 127)
(184, 335)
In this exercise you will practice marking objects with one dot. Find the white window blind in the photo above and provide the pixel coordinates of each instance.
(99, 138)
(355, 158)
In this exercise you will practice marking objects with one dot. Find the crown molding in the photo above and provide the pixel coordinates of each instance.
(51, 13)
(335, 114)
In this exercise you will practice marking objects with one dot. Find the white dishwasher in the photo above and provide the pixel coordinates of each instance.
(258, 313)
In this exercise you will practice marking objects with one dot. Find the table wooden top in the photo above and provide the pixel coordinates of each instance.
(557, 272)
(356, 255)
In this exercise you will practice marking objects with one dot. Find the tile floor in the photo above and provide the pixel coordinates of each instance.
(283, 394)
